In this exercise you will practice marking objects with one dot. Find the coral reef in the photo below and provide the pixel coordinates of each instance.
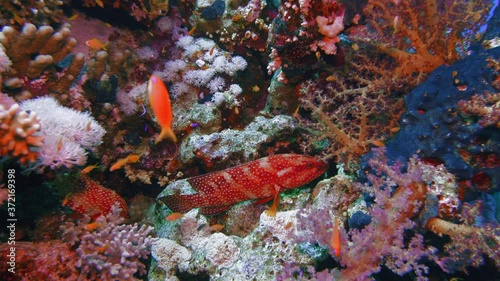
(411, 166)
(141, 10)
(19, 134)
(38, 61)
(433, 128)
(414, 33)
(17, 13)
(230, 145)
(47, 260)
(107, 248)
(221, 256)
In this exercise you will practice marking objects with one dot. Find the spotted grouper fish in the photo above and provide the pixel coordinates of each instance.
(262, 179)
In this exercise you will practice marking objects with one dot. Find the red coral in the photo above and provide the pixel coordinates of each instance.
(95, 200)
(52, 260)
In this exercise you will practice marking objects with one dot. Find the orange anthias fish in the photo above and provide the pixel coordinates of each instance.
(160, 103)
(95, 44)
(131, 158)
(261, 179)
(335, 240)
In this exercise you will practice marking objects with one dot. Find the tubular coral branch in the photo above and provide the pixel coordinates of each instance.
(440, 226)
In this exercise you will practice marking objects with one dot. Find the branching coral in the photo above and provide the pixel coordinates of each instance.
(422, 35)
(32, 50)
(33, 53)
(348, 120)
(386, 240)
(111, 250)
(19, 134)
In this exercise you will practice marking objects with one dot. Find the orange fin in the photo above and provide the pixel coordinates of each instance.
(166, 133)
(274, 207)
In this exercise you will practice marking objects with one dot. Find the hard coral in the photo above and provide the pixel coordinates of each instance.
(19, 134)
(422, 35)
(111, 251)
(32, 50)
(34, 53)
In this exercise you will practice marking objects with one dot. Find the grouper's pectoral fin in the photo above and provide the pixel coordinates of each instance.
(274, 207)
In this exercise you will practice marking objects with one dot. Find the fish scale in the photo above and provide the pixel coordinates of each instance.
(259, 179)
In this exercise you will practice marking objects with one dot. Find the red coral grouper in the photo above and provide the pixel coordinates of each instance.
(260, 179)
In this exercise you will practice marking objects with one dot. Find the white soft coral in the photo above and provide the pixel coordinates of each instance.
(68, 133)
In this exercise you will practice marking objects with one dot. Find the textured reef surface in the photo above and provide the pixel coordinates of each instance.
(250, 140)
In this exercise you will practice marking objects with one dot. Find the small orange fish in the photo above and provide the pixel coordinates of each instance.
(95, 44)
(192, 30)
(296, 112)
(132, 158)
(99, 2)
(159, 100)
(89, 168)
(60, 143)
(73, 17)
(66, 200)
(92, 226)
(335, 240)
(103, 248)
(217, 227)
(174, 216)
(378, 143)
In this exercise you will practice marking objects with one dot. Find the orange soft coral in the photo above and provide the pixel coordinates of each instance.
(422, 35)
(18, 134)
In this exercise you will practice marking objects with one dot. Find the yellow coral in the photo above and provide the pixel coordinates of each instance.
(18, 136)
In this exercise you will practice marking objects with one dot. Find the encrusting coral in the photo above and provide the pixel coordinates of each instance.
(19, 134)
(107, 248)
